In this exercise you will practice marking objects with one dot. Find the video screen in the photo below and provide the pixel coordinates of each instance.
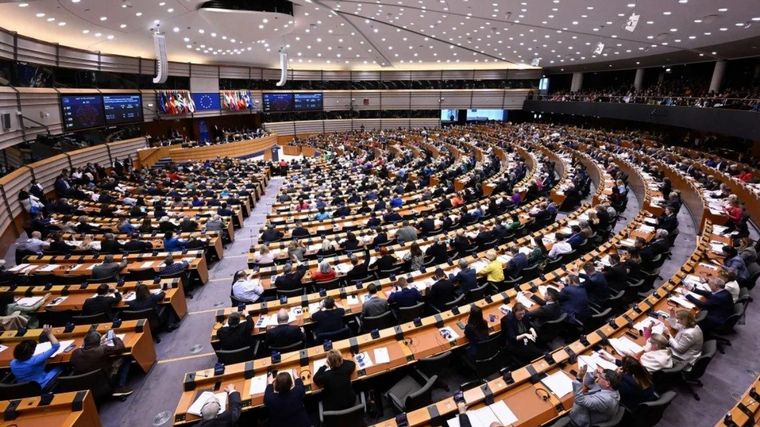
(122, 109)
(236, 100)
(450, 115)
(274, 102)
(308, 101)
(206, 101)
(82, 111)
(484, 114)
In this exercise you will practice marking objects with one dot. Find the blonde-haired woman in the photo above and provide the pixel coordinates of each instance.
(335, 379)
(264, 256)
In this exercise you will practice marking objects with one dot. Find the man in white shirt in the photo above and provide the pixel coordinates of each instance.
(560, 246)
(247, 289)
(35, 243)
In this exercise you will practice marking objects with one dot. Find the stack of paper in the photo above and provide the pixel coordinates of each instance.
(595, 361)
(522, 299)
(28, 301)
(625, 346)
(381, 355)
(657, 326)
(498, 413)
(559, 383)
(196, 407)
(683, 302)
(45, 346)
(343, 268)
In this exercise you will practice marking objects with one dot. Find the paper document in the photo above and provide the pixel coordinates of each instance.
(625, 346)
(381, 355)
(196, 407)
(683, 302)
(45, 346)
(258, 385)
(49, 267)
(56, 301)
(593, 361)
(559, 383)
(28, 301)
(449, 333)
(522, 299)
(146, 265)
(657, 326)
(503, 413)
(318, 364)
(18, 268)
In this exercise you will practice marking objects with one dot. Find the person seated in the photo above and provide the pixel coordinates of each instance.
(391, 216)
(686, 345)
(283, 334)
(733, 262)
(404, 296)
(134, 245)
(373, 304)
(386, 260)
(560, 247)
(438, 250)
(329, 318)
(271, 234)
(335, 380)
(285, 400)
(573, 299)
(235, 335)
(34, 244)
(373, 221)
(440, 292)
(476, 331)
(290, 279)
(494, 270)
(668, 220)
(58, 245)
(99, 353)
(595, 283)
(172, 243)
(518, 261)
(210, 415)
(549, 310)
(519, 334)
(656, 354)
(659, 245)
(300, 231)
(576, 239)
(224, 210)
(187, 225)
(407, 233)
(596, 397)
(717, 302)
(144, 299)
(171, 268)
(165, 225)
(616, 273)
(324, 272)
(322, 215)
(101, 302)
(466, 278)
(264, 255)
(247, 288)
(26, 366)
(109, 245)
(636, 384)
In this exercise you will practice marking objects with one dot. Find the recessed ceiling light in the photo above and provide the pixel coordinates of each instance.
(61, 24)
(40, 15)
(23, 4)
(103, 18)
(138, 13)
(51, 19)
(85, 31)
(170, 10)
(75, 1)
(666, 13)
(123, 26)
(723, 9)
(697, 21)
(175, 29)
(110, 37)
(757, 18)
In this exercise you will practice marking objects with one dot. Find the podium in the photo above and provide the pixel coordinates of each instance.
(275, 153)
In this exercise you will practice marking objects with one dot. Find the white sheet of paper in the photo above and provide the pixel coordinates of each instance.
(381, 355)
(146, 264)
(45, 346)
(196, 407)
(3, 348)
(56, 301)
(28, 301)
(593, 361)
(625, 346)
(503, 413)
(522, 299)
(657, 326)
(449, 333)
(18, 268)
(258, 385)
(49, 267)
(559, 383)
(318, 364)
(683, 302)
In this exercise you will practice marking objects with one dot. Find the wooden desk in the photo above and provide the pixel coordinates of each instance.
(74, 409)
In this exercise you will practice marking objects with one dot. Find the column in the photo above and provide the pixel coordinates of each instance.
(638, 81)
(717, 77)
(576, 84)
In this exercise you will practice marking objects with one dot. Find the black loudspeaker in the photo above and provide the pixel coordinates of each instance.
(6, 121)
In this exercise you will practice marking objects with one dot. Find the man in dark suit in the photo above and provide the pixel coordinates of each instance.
(438, 250)
(224, 210)
(373, 221)
(271, 234)
(101, 303)
(380, 238)
(441, 292)
(549, 310)
(235, 335)
(668, 220)
(427, 225)
(283, 334)
(718, 303)
(518, 262)
(109, 245)
(359, 270)
(573, 300)
(391, 216)
(134, 244)
(595, 283)
(656, 247)
(616, 273)
(290, 279)
(576, 239)
(405, 296)
(466, 277)
(300, 231)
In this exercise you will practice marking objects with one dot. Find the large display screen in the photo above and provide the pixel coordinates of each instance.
(484, 114)
(82, 111)
(206, 101)
(236, 100)
(308, 101)
(278, 102)
(122, 109)
(449, 115)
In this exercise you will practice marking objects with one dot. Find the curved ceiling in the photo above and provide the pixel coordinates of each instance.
(388, 34)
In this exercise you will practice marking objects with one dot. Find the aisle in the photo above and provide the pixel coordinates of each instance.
(188, 348)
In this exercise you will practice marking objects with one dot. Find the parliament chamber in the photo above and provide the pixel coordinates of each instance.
(341, 213)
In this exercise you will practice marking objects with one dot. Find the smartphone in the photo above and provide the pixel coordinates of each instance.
(461, 325)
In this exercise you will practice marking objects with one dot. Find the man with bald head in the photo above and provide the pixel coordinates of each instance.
(210, 416)
(283, 334)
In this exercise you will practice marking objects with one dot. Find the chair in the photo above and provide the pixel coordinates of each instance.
(597, 319)
(407, 314)
(456, 302)
(286, 348)
(97, 381)
(91, 319)
(385, 273)
(427, 367)
(19, 390)
(349, 417)
(551, 329)
(699, 367)
(290, 293)
(530, 272)
(486, 349)
(328, 284)
(615, 420)
(239, 355)
(381, 321)
(340, 334)
(410, 394)
(236, 302)
(727, 328)
(478, 293)
(650, 413)
(488, 366)
(147, 313)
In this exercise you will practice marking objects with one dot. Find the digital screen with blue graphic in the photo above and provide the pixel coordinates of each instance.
(278, 102)
(206, 101)
(485, 114)
(82, 111)
(308, 101)
(122, 109)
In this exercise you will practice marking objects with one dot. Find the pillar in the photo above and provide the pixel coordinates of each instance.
(717, 77)
(638, 81)
(576, 84)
